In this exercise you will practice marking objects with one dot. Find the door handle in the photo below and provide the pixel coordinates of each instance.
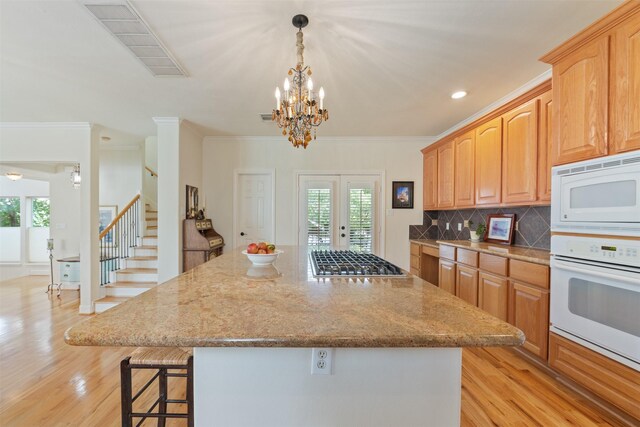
(342, 228)
(242, 233)
(343, 235)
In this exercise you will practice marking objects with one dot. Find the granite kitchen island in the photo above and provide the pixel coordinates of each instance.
(395, 343)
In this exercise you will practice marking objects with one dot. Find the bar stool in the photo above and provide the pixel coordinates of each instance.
(165, 360)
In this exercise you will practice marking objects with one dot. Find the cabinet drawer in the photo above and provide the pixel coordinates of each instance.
(467, 257)
(614, 382)
(415, 249)
(448, 252)
(430, 251)
(535, 274)
(494, 264)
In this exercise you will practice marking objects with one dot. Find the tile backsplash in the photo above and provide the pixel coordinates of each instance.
(532, 223)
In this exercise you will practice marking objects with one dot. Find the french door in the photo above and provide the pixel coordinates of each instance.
(339, 211)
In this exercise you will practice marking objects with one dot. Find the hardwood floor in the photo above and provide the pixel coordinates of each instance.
(44, 382)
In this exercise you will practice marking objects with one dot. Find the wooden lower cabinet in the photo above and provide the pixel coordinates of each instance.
(529, 312)
(614, 382)
(493, 294)
(447, 276)
(467, 284)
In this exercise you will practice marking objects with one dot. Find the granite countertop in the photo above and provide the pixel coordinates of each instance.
(225, 303)
(433, 243)
(537, 256)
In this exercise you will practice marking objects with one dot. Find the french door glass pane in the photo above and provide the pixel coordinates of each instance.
(319, 218)
(360, 219)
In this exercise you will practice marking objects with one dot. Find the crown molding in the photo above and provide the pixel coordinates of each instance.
(166, 120)
(46, 125)
(326, 139)
(128, 147)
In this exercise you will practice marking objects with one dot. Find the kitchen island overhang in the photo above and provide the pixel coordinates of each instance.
(397, 341)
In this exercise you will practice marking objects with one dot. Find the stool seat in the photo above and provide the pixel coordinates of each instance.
(169, 356)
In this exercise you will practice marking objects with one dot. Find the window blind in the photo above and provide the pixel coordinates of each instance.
(319, 218)
(360, 219)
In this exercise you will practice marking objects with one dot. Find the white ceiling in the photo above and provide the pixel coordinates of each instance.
(388, 67)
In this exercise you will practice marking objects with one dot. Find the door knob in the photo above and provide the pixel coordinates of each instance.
(242, 233)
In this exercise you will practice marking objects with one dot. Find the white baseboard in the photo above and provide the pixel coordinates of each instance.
(39, 272)
(86, 309)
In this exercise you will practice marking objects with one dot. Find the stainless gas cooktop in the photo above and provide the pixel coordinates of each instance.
(352, 264)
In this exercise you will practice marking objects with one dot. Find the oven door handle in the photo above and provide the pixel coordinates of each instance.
(586, 270)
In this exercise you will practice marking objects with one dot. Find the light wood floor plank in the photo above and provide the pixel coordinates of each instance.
(44, 382)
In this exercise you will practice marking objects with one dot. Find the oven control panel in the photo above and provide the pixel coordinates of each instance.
(615, 251)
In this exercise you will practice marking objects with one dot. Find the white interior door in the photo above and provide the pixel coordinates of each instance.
(253, 211)
(339, 211)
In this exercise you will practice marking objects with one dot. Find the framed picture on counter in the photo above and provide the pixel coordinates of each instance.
(402, 195)
(500, 228)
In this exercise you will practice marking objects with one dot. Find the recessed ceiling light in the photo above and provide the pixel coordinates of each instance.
(459, 94)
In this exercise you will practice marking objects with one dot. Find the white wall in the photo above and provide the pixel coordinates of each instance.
(399, 158)
(120, 175)
(65, 217)
(64, 142)
(14, 241)
(150, 183)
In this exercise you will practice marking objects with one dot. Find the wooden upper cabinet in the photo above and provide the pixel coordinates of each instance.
(580, 93)
(488, 167)
(520, 154)
(545, 148)
(445, 175)
(430, 175)
(625, 87)
(464, 189)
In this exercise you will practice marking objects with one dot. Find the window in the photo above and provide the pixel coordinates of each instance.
(40, 212)
(319, 218)
(10, 231)
(38, 229)
(360, 219)
(9, 211)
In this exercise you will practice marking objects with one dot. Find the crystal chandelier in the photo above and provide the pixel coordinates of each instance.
(299, 111)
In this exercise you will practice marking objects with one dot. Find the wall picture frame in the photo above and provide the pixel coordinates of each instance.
(402, 195)
(107, 213)
(500, 228)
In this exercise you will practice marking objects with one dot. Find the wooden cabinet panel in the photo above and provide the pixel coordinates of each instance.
(430, 178)
(447, 276)
(614, 382)
(528, 272)
(446, 172)
(544, 148)
(414, 249)
(625, 87)
(467, 284)
(494, 264)
(429, 267)
(415, 263)
(580, 94)
(529, 312)
(448, 252)
(465, 256)
(493, 294)
(464, 189)
(488, 168)
(520, 154)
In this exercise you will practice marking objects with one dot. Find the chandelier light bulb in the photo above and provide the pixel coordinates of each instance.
(321, 95)
(286, 85)
(277, 98)
(310, 84)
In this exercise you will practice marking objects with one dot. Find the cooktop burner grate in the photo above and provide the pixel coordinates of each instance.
(352, 264)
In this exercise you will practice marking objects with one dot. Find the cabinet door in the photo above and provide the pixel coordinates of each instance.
(580, 94)
(488, 163)
(430, 178)
(464, 189)
(544, 148)
(445, 175)
(520, 154)
(493, 294)
(467, 284)
(447, 276)
(625, 87)
(529, 312)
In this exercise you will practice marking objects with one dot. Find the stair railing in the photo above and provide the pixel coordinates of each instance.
(118, 238)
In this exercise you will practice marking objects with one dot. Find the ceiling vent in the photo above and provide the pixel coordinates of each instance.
(124, 23)
(266, 117)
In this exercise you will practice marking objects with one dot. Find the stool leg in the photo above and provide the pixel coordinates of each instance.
(162, 388)
(191, 417)
(125, 392)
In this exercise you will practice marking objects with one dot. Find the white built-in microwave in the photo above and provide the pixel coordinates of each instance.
(599, 196)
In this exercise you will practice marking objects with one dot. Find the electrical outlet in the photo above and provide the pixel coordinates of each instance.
(447, 227)
(459, 227)
(466, 223)
(434, 222)
(321, 361)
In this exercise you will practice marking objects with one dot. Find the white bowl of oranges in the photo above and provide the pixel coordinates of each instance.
(262, 253)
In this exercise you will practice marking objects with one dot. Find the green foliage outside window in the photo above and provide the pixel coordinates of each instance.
(40, 213)
(9, 212)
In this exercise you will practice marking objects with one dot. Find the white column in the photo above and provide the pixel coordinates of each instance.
(169, 244)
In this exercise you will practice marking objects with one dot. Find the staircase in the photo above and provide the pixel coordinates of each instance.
(140, 272)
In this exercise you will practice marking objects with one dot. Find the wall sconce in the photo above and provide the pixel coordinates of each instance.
(13, 176)
(75, 176)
